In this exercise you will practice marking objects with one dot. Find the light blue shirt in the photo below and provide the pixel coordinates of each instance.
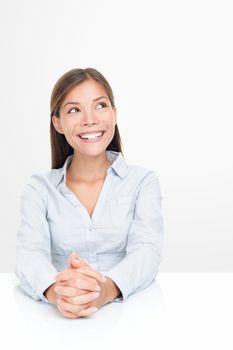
(122, 239)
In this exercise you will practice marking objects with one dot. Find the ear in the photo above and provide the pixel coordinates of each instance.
(57, 124)
(115, 114)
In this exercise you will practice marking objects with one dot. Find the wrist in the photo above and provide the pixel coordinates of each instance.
(112, 291)
(50, 294)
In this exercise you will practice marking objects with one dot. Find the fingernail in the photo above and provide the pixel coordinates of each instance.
(97, 288)
(95, 295)
(93, 309)
(74, 256)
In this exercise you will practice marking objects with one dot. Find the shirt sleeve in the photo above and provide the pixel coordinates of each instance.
(140, 265)
(33, 253)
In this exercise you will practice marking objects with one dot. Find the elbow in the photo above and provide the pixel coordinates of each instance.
(154, 258)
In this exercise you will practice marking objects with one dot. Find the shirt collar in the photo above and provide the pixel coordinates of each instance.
(119, 165)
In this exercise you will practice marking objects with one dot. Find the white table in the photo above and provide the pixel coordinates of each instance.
(180, 311)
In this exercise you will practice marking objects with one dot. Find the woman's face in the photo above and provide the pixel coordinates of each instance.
(87, 118)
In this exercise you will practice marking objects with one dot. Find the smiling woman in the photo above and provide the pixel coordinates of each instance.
(91, 202)
(68, 110)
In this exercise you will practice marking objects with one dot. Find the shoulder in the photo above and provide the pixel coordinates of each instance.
(140, 180)
(43, 182)
(146, 181)
(142, 174)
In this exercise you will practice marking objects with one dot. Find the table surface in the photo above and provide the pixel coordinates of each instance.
(178, 311)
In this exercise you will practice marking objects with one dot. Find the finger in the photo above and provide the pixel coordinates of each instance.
(76, 309)
(87, 312)
(72, 255)
(84, 268)
(85, 284)
(89, 271)
(67, 314)
(75, 261)
(73, 282)
(66, 291)
(79, 281)
(66, 306)
(82, 299)
(65, 275)
(84, 313)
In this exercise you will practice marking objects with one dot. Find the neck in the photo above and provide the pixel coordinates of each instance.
(88, 168)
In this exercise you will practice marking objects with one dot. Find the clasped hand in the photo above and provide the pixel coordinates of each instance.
(80, 289)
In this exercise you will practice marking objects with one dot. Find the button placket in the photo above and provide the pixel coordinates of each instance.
(91, 239)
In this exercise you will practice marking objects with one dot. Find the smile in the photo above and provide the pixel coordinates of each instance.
(92, 136)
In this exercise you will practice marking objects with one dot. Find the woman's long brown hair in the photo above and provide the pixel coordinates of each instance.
(60, 148)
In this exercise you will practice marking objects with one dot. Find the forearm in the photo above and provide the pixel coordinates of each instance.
(141, 274)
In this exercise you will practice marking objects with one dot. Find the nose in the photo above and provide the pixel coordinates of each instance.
(88, 118)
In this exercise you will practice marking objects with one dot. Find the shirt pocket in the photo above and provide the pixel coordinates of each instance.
(121, 211)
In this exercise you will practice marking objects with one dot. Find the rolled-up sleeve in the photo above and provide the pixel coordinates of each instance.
(33, 249)
(140, 265)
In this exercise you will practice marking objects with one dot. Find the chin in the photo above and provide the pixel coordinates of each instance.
(92, 153)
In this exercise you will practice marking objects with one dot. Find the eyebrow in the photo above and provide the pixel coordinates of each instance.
(77, 103)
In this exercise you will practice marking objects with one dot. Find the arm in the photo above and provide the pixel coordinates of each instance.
(143, 253)
(33, 257)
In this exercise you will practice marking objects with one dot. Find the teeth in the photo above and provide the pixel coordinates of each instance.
(91, 136)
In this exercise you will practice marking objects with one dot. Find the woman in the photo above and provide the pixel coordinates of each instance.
(90, 202)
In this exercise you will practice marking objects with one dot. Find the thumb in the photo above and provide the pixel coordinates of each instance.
(75, 262)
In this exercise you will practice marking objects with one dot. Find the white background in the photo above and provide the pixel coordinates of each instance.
(170, 67)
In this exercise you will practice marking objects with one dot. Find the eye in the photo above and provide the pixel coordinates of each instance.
(103, 104)
(73, 110)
